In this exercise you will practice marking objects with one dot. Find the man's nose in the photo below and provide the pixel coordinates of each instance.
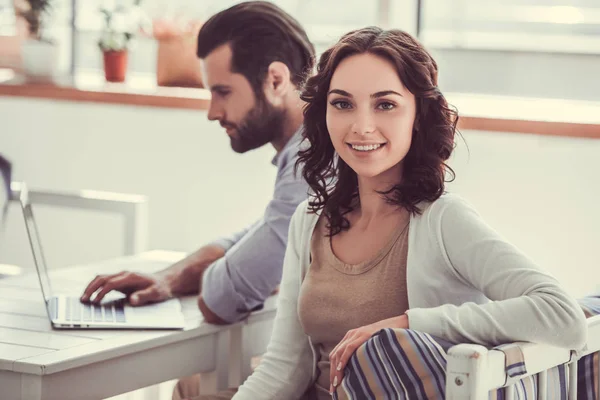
(215, 112)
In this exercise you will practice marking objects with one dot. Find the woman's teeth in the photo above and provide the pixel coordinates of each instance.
(369, 147)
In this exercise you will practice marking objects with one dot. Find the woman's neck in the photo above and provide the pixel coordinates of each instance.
(373, 205)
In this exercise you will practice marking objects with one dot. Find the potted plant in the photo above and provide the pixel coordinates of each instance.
(39, 53)
(116, 39)
(177, 63)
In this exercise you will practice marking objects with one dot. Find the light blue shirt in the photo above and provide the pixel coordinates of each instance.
(251, 269)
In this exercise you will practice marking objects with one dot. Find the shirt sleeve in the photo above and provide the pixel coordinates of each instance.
(251, 269)
(228, 242)
(527, 303)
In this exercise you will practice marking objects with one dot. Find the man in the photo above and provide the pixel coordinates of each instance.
(254, 57)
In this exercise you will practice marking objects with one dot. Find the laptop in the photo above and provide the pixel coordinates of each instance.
(68, 312)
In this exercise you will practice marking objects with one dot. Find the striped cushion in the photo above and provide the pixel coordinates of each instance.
(406, 364)
(588, 377)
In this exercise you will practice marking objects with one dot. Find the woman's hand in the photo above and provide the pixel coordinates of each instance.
(339, 356)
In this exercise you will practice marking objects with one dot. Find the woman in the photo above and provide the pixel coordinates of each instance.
(380, 245)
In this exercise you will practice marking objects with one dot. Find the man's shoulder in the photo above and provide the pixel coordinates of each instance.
(289, 154)
(289, 172)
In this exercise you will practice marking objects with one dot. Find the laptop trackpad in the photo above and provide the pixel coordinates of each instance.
(165, 307)
(169, 310)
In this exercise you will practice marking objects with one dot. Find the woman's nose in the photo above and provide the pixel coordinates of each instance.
(363, 124)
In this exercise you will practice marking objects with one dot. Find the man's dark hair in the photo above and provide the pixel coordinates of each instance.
(259, 33)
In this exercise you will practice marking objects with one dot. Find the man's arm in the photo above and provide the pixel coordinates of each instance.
(209, 316)
(185, 276)
(228, 242)
(250, 271)
(179, 279)
(240, 281)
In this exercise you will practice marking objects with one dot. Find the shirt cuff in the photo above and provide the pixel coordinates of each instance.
(220, 295)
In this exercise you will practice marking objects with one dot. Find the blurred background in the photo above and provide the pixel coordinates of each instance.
(544, 48)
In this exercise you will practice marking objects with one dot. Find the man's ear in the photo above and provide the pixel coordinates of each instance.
(277, 82)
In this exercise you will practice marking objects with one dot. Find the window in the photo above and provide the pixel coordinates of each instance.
(78, 37)
(7, 18)
(323, 27)
(526, 25)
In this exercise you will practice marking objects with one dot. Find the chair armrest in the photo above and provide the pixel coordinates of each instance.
(475, 369)
(593, 343)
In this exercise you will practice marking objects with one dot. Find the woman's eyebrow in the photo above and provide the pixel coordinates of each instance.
(373, 96)
(339, 91)
(384, 93)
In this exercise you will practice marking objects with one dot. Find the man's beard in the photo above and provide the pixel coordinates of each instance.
(263, 124)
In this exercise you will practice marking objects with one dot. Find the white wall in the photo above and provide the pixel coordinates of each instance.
(540, 192)
(198, 188)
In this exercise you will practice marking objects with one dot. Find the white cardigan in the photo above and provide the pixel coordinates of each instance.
(465, 284)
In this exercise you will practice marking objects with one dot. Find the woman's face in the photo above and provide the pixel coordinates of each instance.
(370, 116)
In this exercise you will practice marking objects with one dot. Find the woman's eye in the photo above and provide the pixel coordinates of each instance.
(341, 104)
(386, 106)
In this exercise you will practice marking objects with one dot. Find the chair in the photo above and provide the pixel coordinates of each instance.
(133, 208)
(474, 370)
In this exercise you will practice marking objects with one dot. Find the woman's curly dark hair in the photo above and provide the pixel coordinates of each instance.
(333, 182)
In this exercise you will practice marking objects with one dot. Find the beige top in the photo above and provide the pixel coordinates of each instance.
(336, 297)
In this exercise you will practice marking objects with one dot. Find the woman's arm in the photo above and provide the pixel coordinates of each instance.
(528, 304)
(354, 338)
(285, 371)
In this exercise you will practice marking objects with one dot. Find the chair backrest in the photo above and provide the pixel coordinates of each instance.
(133, 208)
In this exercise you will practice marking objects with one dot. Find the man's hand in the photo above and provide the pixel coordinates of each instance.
(181, 278)
(140, 288)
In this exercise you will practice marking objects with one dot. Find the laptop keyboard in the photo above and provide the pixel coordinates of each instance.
(76, 311)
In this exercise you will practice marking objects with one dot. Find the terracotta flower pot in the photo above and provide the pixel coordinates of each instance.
(177, 63)
(115, 65)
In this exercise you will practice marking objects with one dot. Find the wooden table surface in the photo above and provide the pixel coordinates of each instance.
(37, 362)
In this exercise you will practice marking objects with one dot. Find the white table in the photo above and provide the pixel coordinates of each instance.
(37, 362)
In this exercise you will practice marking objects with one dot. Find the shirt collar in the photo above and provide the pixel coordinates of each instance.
(296, 138)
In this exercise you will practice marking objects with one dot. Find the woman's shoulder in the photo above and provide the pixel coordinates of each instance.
(303, 211)
(304, 219)
(447, 206)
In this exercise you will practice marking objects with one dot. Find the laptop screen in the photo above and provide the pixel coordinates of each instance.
(34, 240)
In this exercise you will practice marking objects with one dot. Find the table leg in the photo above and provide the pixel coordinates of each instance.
(31, 387)
(218, 379)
